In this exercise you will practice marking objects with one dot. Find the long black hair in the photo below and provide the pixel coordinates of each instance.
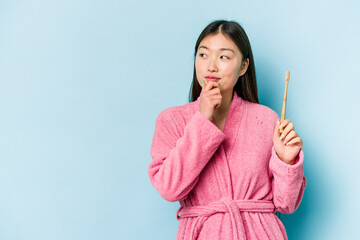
(246, 86)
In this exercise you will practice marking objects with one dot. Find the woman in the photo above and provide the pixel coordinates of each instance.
(222, 155)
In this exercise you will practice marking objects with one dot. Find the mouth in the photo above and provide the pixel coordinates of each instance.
(212, 79)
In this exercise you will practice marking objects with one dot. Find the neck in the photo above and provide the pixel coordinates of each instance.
(227, 98)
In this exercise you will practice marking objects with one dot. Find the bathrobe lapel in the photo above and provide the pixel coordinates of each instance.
(223, 154)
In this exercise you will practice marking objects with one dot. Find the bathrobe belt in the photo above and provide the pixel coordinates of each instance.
(226, 204)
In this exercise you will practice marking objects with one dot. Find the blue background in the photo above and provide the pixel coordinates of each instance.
(82, 82)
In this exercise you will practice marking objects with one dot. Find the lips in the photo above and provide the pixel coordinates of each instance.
(211, 78)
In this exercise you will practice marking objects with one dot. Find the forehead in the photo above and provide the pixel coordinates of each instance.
(218, 41)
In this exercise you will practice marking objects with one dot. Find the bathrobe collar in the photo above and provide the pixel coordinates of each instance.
(235, 113)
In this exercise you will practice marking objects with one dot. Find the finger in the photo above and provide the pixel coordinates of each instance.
(214, 91)
(284, 123)
(214, 102)
(217, 105)
(202, 87)
(296, 142)
(209, 85)
(203, 84)
(276, 130)
(218, 85)
(286, 131)
(213, 98)
(288, 127)
(292, 134)
(216, 99)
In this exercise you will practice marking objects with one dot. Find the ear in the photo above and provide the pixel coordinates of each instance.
(244, 67)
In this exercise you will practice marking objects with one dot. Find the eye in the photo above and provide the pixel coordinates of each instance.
(202, 54)
(224, 57)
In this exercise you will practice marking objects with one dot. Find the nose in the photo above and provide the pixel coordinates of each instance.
(212, 65)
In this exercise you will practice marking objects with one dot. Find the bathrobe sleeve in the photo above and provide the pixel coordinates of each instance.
(288, 182)
(178, 157)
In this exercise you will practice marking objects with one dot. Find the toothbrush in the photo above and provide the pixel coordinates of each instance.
(287, 76)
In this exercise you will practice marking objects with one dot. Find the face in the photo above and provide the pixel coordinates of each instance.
(219, 59)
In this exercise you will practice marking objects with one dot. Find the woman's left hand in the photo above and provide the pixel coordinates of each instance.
(288, 144)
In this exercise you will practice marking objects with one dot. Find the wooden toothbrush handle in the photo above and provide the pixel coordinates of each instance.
(287, 76)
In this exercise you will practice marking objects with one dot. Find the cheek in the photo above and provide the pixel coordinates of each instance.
(198, 65)
(198, 70)
(229, 70)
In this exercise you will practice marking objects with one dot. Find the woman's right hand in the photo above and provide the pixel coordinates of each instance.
(210, 99)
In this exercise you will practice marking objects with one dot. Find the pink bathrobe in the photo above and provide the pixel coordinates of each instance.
(229, 184)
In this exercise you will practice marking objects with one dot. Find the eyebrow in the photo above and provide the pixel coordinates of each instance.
(222, 49)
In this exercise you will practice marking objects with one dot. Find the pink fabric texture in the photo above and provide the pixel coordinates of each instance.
(229, 184)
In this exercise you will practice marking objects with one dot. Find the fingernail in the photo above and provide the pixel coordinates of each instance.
(282, 136)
